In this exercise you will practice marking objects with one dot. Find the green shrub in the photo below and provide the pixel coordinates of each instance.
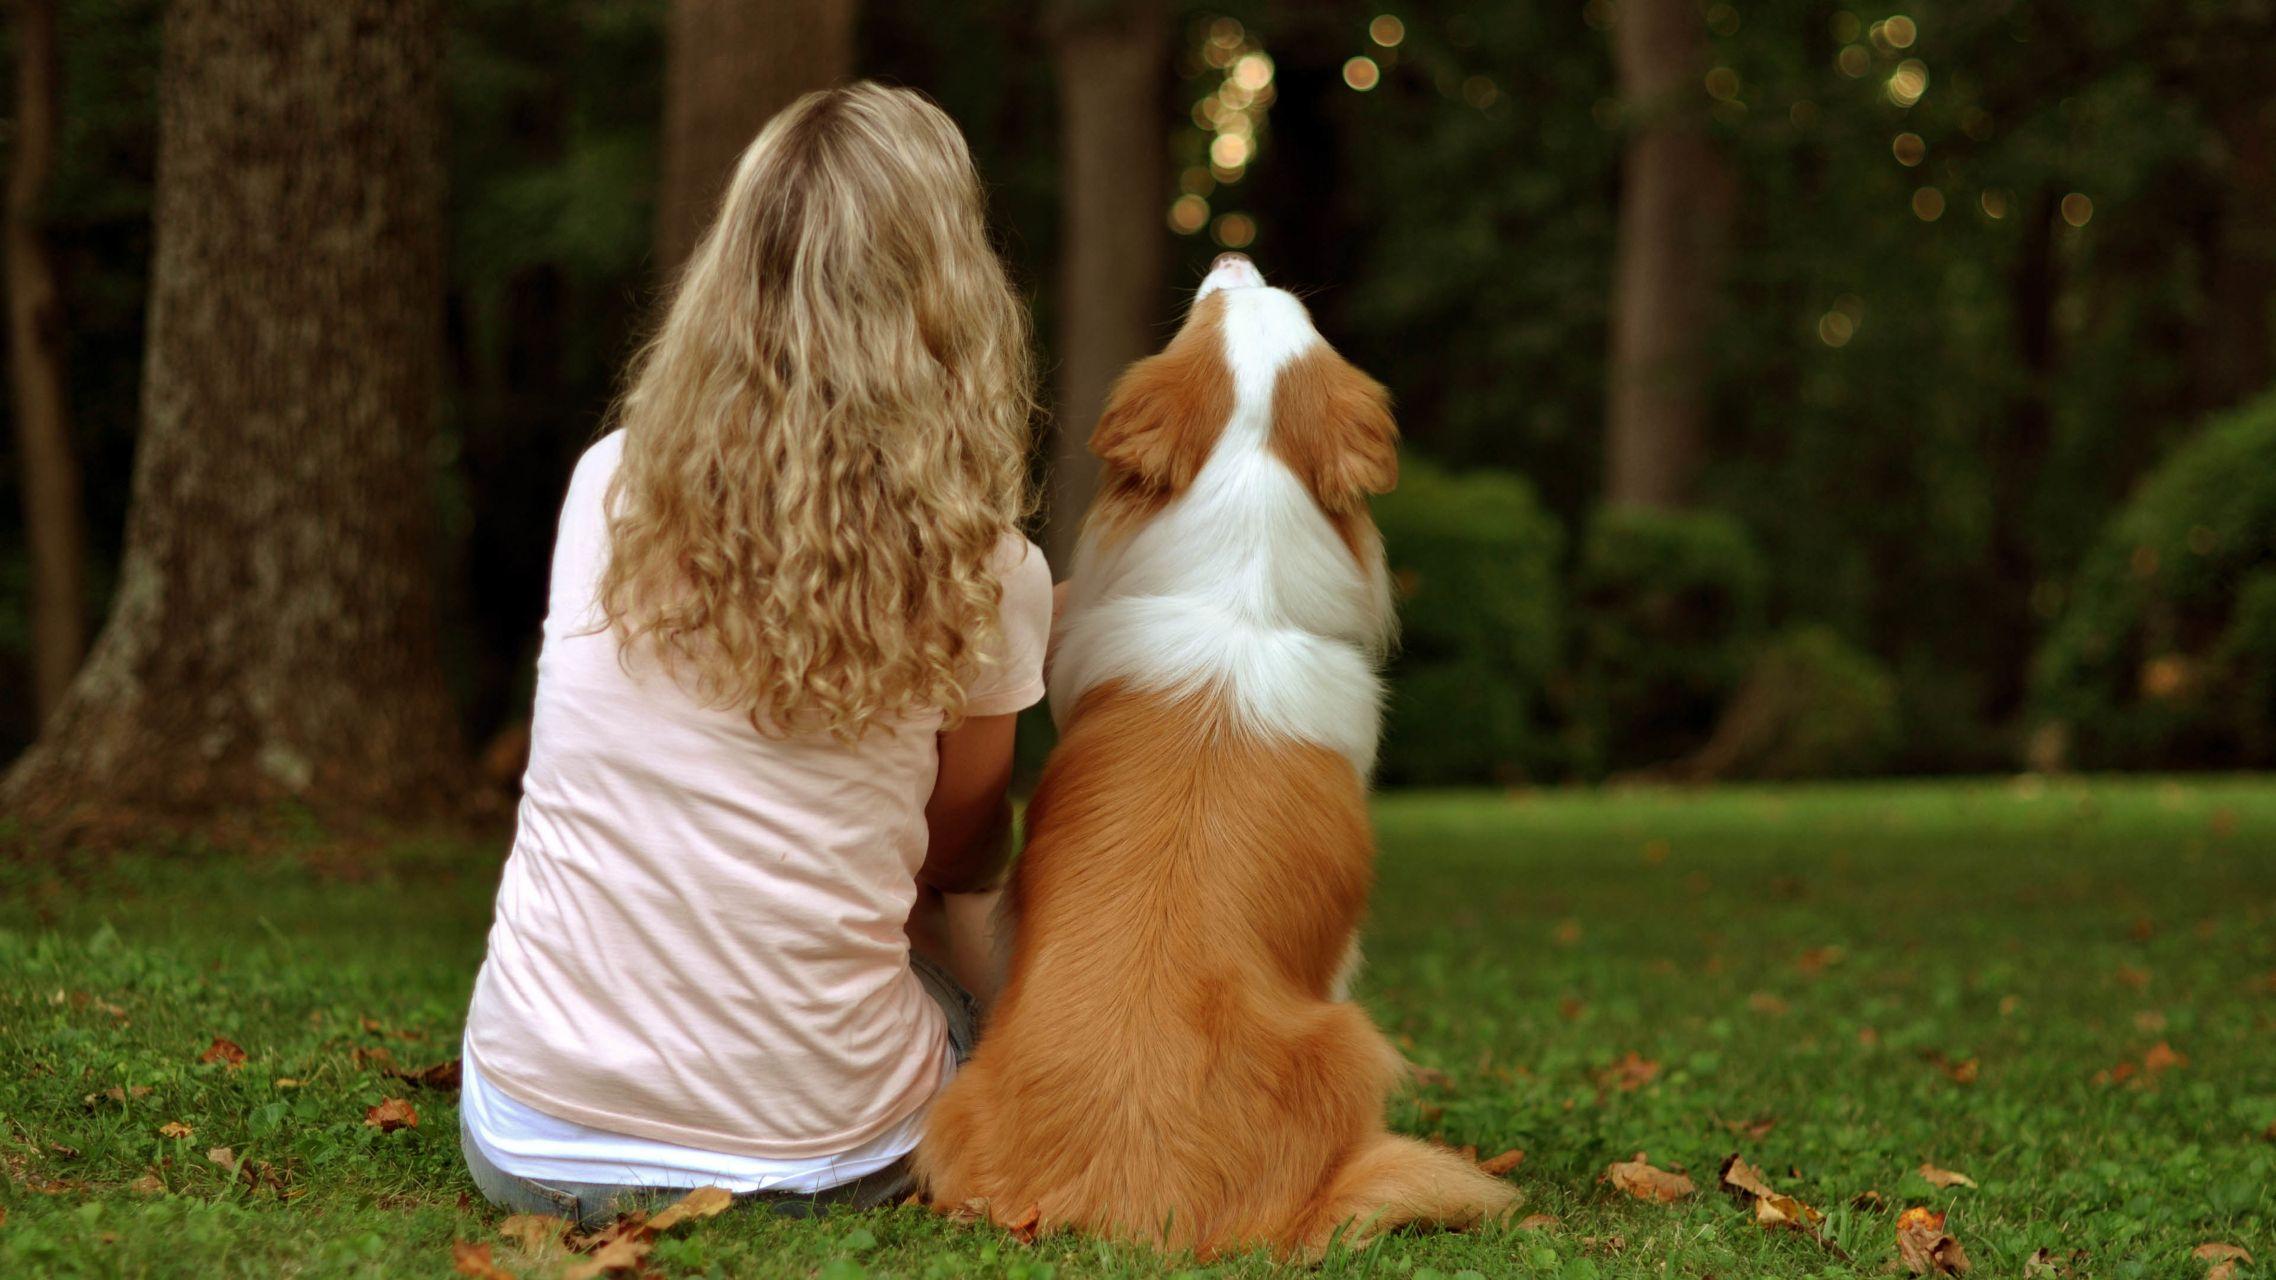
(1812, 706)
(2165, 655)
(1474, 561)
(1667, 610)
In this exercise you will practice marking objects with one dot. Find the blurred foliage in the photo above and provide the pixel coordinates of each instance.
(1667, 613)
(2166, 654)
(1475, 561)
(1811, 706)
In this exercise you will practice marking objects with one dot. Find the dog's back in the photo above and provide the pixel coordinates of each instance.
(1170, 1060)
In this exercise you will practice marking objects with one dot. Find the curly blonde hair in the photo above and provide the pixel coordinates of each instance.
(826, 439)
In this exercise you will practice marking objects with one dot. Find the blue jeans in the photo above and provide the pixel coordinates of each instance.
(593, 1204)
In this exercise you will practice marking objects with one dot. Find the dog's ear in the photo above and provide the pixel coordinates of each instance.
(1166, 411)
(1332, 425)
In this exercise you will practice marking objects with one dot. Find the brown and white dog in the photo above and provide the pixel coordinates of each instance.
(1172, 1059)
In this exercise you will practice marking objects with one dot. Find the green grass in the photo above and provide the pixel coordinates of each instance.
(1817, 960)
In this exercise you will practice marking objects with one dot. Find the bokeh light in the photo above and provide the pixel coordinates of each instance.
(1723, 20)
(1480, 92)
(1189, 213)
(1853, 60)
(1362, 73)
(1845, 27)
(1234, 230)
(2077, 208)
(1387, 31)
(1836, 329)
(1908, 82)
(1994, 203)
(1908, 149)
(1900, 32)
(1928, 204)
(1229, 151)
(1722, 84)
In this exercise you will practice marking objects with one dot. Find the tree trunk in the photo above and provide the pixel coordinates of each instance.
(273, 632)
(54, 528)
(2240, 356)
(729, 66)
(2016, 452)
(1675, 199)
(1111, 64)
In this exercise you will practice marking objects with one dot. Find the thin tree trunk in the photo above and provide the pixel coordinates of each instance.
(1113, 156)
(272, 635)
(729, 66)
(54, 526)
(1675, 199)
(2016, 452)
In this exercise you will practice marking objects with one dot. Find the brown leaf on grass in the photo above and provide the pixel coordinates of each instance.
(1537, 1222)
(470, 1259)
(2215, 1251)
(1925, 1248)
(379, 1055)
(1628, 1073)
(1757, 1128)
(1776, 1212)
(2162, 1058)
(2132, 978)
(1428, 1077)
(226, 1157)
(1817, 960)
(1638, 1178)
(1567, 933)
(2046, 1264)
(539, 1234)
(703, 1202)
(392, 1114)
(175, 1129)
(148, 1184)
(442, 1075)
(1944, 1177)
(2149, 1021)
(620, 1246)
(1024, 1227)
(1767, 1004)
(116, 1094)
(224, 1052)
(1742, 1181)
(1868, 1202)
(1496, 1166)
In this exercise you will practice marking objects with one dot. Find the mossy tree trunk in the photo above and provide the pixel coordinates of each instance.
(729, 66)
(1676, 192)
(1111, 59)
(272, 635)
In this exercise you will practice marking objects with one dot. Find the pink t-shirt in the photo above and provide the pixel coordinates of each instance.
(699, 933)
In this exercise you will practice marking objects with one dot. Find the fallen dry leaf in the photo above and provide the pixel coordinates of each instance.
(225, 1052)
(1763, 1002)
(1742, 1181)
(116, 1094)
(1757, 1128)
(1429, 1077)
(470, 1259)
(2214, 1251)
(2046, 1264)
(1503, 1163)
(1945, 1177)
(226, 1157)
(2162, 1058)
(621, 1246)
(1537, 1222)
(1638, 1178)
(535, 1233)
(1776, 1212)
(1567, 933)
(1628, 1073)
(147, 1185)
(1925, 1248)
(1868, 1202)
(1817, 960)
(1023, 1227)
(175, 1129)
(703, 1202)
(442, 1075)
(2132, 978)
(392, 1114)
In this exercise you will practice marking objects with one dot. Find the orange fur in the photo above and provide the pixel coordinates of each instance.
(1162, 418)
(1332, 425)
(1166, 1064)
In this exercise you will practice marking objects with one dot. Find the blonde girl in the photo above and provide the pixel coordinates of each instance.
(791, 622)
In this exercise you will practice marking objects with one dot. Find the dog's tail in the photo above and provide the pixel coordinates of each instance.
(1390, 1182)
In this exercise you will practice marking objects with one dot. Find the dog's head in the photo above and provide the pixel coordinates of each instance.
(1247, 360)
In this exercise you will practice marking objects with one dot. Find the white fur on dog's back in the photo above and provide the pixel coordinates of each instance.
(1240, 584)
